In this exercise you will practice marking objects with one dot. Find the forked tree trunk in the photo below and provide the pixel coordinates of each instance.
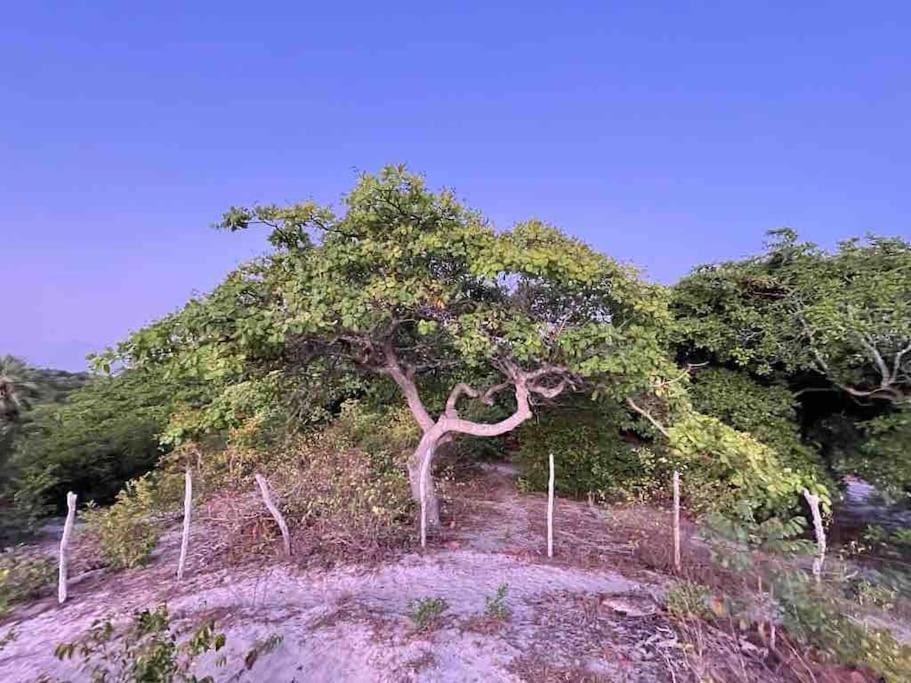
(449, 424)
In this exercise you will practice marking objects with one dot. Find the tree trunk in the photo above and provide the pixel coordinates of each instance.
(421, 462)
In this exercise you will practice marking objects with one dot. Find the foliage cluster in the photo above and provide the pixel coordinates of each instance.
(425, 613)
(831, 327)
(777, 591)
(591, 455)
(23, 576)
(150, 649)
(128, 531)
(767, 412)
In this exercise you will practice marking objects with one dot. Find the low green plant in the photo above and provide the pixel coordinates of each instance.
(126, 531)
(870, 593)
(148, 650)
(689, 600)
(813, 613)
(426, 612)
(496, 607)
(23, 576)
(815, 616)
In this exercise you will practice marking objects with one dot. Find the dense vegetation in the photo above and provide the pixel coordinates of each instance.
(378, 347)
(756, 377)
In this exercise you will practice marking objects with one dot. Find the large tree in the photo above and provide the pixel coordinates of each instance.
(17, 388)
(845, 315)
(833, 326)
(410, 285)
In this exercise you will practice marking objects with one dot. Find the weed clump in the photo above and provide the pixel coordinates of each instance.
(425, 613)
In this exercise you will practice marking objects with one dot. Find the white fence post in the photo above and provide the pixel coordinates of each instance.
(813, 501)
(187, 507)
(550, 508)
(267, 499)
(677, 520)
(64, 543)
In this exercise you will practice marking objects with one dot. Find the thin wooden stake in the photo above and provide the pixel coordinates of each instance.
(813, 501)
(64, 543)
(267, 499)
(187, 507)
(677, 520)
(550, 508)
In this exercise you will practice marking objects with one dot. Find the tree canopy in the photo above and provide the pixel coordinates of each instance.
(832, 327)
(411, 285)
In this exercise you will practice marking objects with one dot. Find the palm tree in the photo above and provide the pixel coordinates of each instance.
(16, 388)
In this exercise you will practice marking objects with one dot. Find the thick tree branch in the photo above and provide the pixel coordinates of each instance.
(408, 387)
(462, 389)
(877, 359)
(522, 413)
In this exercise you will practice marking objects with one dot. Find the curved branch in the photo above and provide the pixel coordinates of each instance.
(456, 394)
(523, 412)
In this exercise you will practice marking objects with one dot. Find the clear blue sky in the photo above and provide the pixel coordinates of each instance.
(666, 134)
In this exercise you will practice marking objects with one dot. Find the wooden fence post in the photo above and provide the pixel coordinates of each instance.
(267, 499)
(64, 543)
(550, 508)
(813, 501)
(677, 520)
(187, 507)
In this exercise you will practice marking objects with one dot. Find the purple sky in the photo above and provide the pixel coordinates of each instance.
(666, 134)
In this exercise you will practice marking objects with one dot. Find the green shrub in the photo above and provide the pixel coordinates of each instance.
(689, 600)
(127, 532)
(496, 607)
(767, 412)
(590, 456)
(816, 615)
(342, 487)
(23, 576)
(147, 650)
(426, 612)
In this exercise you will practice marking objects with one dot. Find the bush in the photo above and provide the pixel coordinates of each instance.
(768, 413)
(347, 484)
(148, 649)
(689, 600)
(343, 489)
(496, 607)
(426, 612)
(815, 615)
(127, 532)
(23, 576)
(590, 456)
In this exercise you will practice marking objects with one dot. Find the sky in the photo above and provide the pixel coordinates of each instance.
(666, 134)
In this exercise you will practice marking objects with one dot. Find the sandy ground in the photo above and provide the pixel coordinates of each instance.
(351, 623)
